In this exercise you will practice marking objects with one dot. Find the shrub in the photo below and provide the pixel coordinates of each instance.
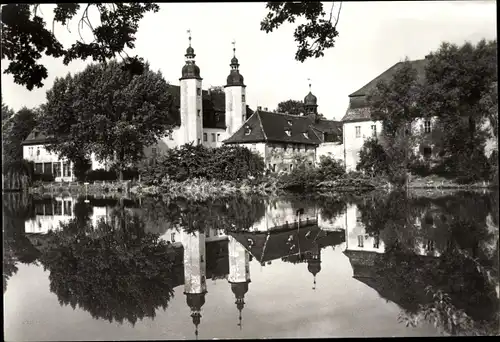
(100, 174)
(372, 158)
(228, 163)
(302, 177)
(330, 168)
(43, 177)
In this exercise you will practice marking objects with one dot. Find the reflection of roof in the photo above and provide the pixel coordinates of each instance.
(276, 245)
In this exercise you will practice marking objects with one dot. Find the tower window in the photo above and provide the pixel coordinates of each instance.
(213, 137)
(427, 126)
(198, 113)
(205, 138)
(358, 131)
(243, 98)
(288, 132)
(198, 91)
(374, 130)
(248, 130)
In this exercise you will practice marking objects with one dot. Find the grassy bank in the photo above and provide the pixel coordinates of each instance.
(80, 189)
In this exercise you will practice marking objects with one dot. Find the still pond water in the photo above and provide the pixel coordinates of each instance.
(375, 265)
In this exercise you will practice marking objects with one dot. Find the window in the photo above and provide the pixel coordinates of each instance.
(253, 146)
(358, 131)
(289, 122)
(170, 136)
(198, 91)
(205, 138)
(243, 98)
(213, 137)
(58, 208)
(429, 220)
(66, 169)
(198, 113)
(30, 150)
(38, 151)
(67, 208)
(360, 240)
(274, 167)
(374, 130)
(57, 169)
(218, 136)
(306, 135)
(427, 152)
(48, 209)
(310, 164)
(39, 168)
(172, 237)
(39, 209)
(291, 167)
(47, 168)
(248, 130)
(288, 132)
(199, 141)
(376, 242)
(427, 126)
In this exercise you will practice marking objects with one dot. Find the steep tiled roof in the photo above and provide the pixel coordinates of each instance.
(419, 66)
(36, 138)
(272, 127)
(358, 110)
(330, 127)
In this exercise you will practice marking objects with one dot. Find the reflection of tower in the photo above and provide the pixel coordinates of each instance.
(239, 272)
(195, 286)
(314, 262)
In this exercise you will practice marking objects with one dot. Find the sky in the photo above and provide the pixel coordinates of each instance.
(373, 36)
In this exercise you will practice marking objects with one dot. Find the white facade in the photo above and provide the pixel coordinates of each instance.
(330, 149)
(48, 162)
(191, 130)
(355, 134)
(281, 213)
(235, 108)
(213, 137)
(355, 235)
(335, 224)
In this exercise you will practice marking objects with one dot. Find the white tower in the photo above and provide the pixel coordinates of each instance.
(236, 107)
(195, 286)
(191, 129)
(239, 272)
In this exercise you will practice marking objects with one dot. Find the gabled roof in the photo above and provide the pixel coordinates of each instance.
(272, 127)
(358, 110)
(36, 138)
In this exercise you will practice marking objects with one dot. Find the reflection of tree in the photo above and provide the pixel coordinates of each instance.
(455, 291)
(222, 213)
(17, 207)
(114, 271)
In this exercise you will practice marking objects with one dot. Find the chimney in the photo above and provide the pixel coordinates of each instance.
(265, 109)
(259, 108)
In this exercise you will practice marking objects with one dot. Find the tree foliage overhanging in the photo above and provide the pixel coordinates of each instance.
(25, 36)
(108, 111)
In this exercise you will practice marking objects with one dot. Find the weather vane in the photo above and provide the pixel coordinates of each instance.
(309, 84)
(234, 47)
(189, 33)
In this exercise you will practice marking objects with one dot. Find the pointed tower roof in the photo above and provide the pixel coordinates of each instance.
(239, 290)
(310, 99)
(234, 78)
(190, 69)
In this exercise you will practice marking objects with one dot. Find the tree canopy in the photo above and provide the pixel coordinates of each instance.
(312, 37)
(25, 37)
(291, 107)
(15, 129)
(108, 111)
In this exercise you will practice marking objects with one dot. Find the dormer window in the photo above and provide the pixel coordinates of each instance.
(306, 135)
(248, 130)
(288, 132)
(289, 122)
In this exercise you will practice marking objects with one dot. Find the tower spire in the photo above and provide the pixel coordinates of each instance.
(309, 84)
(189, 36)
(314, 287)
(234, 48)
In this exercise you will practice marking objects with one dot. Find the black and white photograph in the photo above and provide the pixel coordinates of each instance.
(249, 170)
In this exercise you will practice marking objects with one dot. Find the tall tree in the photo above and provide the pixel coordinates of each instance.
(109, 111)
(15, 129)
(291, 107)
(459, 80)
(313, 37)
(25, 37)
(396, 103)
(7, 112)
